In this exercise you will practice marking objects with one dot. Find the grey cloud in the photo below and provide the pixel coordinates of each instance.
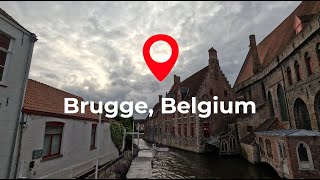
(94, 49)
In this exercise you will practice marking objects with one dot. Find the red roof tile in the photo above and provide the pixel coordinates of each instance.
(45, 100)
(272, 45)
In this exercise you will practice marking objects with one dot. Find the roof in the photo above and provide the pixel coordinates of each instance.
(9, 17)
(276, 41)
(289, 132)
(268, 124)
(193, 83)
(45, 100)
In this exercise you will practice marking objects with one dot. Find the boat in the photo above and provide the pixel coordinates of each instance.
(160, 148)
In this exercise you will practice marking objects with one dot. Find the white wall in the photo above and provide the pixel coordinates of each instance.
(12, 90)
(75, 148)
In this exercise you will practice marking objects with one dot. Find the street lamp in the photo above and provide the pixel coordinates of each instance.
(98, 146)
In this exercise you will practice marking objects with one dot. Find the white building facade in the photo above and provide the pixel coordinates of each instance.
(76, 153)
(16, 47)
(57, 145)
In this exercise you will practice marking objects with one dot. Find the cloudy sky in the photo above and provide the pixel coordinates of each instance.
(94, 49)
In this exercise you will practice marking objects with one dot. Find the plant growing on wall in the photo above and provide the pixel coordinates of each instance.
(117, 134)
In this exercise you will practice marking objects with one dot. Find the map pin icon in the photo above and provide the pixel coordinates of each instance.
(160, 69)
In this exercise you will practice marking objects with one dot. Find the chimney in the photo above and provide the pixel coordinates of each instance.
(160, 97)
(254, 52)
(213, 60)
(212, 54)
(176, 79)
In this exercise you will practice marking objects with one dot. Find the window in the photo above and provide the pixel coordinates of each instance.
(304, 156)
(289, 75)
(93, 136)
(302, 151)
(301, 115)
(224, 146)
(179, 129)
(4, 51)
(261, 146)
(249, 95)
(263, 89)
(249, 128)
(185, 130)
(281, 149)
(271, 104)
(226, 93)
(206, 132)
(192, 130)
(52, 139)
(307, 59)
(297, 70)
(173, 131)
(269, 148)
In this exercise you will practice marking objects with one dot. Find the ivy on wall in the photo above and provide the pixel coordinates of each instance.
(117, 136)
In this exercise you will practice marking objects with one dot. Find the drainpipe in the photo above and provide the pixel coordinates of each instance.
(22, 122)
(33, 39)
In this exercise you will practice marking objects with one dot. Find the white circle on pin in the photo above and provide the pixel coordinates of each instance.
(160, 51)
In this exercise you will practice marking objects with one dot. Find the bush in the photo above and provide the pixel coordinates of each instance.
(117, 136)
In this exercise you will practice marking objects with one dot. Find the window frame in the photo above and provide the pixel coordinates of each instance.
(53, 124)
(94, 145)
(297, 70)
(8, 58)
(192, 130)
(308, 62)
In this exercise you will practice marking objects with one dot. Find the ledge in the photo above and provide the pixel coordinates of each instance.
(44, 159)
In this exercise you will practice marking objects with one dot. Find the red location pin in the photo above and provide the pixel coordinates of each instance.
(160, 69)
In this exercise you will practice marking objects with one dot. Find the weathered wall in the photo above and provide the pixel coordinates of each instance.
(12, 89)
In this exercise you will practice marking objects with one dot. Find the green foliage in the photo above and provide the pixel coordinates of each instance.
(117, 134)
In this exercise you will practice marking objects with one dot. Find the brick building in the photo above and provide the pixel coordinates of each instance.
(281, 75)
(188, 131)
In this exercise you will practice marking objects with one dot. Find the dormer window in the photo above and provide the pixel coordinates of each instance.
(297, 24)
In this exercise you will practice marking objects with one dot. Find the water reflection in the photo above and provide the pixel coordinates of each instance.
(181, 164)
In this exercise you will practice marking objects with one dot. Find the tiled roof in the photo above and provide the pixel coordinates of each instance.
(193, 83)
(276, 41)
(45, 100)
(269, 124)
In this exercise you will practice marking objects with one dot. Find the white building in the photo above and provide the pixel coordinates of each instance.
(58, 145)
(16, 46)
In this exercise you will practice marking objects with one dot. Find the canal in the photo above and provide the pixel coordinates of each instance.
(182, 164)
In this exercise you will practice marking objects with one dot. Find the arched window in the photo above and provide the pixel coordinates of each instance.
(263, 90)
(281, 149)
(282, 103)
(308, 61)
(297, 70)
(304, 156)
(232, 143)
(317, 108)
(269, 148)
(289, 75)
(224, 146)
(271, 104)
(301, 115)
(261, 146)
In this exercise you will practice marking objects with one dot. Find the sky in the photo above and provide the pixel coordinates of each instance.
(94, 49)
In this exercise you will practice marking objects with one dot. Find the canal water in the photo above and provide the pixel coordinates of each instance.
(182, 164)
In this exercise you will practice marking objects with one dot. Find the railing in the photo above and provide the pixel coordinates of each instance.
(106, 169)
